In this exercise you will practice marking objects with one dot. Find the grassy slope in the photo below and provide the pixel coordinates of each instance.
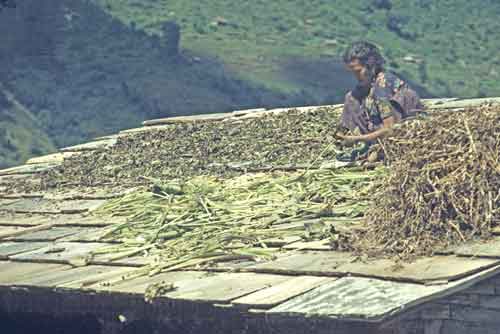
(87, 74)
(102, 76)
(455, 38)
(105, 77)
(20, 133)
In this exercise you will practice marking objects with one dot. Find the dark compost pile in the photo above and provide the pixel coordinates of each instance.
(443, 186)
(205, 148)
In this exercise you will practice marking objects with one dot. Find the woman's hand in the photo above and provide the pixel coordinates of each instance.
(385, 130)
(346, 140)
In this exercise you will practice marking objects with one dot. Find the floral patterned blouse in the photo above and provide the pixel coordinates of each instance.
(379, 105)
(387, 96)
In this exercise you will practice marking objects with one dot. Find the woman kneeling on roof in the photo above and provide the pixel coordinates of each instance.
(379, 100)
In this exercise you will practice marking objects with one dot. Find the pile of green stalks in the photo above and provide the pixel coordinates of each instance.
(178, 224)
(443, 184)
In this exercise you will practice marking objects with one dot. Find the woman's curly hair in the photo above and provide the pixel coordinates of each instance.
(368, 55)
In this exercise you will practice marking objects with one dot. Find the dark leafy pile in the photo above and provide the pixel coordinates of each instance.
(210, 148)
(443, 187)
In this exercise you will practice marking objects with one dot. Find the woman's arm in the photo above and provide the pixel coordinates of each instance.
(385, 130)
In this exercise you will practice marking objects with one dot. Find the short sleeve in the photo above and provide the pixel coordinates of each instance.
(408, 100)
(386, 90)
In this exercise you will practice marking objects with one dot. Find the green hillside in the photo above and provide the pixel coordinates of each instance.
(447, 46)
(85, 69)
(82, 74)
(20, 134)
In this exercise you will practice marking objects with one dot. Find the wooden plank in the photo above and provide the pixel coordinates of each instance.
(264, 113)
(13, 248)
(320, 245)
(8, 230)
(132, 261)
(20, 195)
(16, 219)
(13, 272)
(319, 108)
(306, 263)
(260, 113)
(144, 129)
(464, 103)
(279, 293)
(85, 220)
(337, 264)
(45, 279)
(188, 119)
(3, 245)
(18, 231)
(9, 179)
(26, 219)
(74, 253)
(84, 235)
(222, 288)
(27, 205)
(8, 183)
(238, 266)
(238, 113)
(373, 299)
(23, 219)
(339, 223)
(345, 224)
(54, 158)
(28, 169)
(91, 146)
(304, 109)
(140, 284)
(487, 249)
(97, 194)
(5, 202)
(113, 136)
(280, 242)
(94, 279)
(428, 103)
(45, 233)
(68, 275)
(356, 298)
(246, 166)
(423, 270)
(46, 206)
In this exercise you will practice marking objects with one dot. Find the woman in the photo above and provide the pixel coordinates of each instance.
(379, 100)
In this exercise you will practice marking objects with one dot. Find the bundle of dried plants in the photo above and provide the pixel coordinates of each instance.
(443, 187)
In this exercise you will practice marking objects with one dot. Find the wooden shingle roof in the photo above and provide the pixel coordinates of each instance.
(46, 239)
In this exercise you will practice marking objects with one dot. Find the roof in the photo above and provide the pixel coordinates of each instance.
(51, 233)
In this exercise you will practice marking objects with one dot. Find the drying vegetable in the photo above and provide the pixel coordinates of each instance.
(208, 219)
(222, 148)
(443, 187)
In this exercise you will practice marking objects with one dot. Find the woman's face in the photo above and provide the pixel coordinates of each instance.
(359, 70)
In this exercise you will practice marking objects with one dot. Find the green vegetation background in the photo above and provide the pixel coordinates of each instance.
(106, 69)
(454, 39)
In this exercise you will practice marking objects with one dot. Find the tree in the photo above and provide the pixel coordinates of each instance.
(382, 4)
(171, 37)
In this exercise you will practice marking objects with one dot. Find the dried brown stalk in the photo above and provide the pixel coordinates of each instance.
(442, 186)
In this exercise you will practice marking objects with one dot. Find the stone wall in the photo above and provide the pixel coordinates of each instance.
(475, 310)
